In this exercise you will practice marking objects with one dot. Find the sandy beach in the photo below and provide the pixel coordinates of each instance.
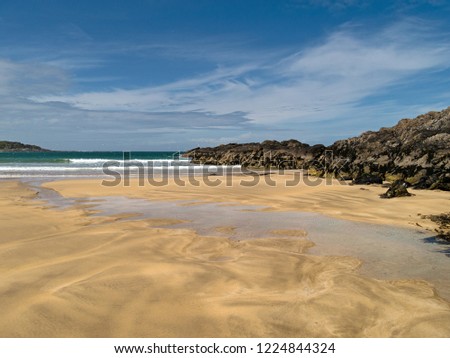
(329, 197)
(66, 273)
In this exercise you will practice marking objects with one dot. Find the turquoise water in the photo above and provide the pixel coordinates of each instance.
(76, 164)
(85, 164)
(67, 157)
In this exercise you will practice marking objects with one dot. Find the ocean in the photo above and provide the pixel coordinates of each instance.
(87, 164)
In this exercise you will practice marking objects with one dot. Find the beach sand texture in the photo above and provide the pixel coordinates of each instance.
(65, 273)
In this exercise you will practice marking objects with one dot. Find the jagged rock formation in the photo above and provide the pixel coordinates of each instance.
(290, 154)
(415, 150)
(6, 146)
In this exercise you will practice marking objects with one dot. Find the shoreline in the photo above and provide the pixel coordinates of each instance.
(79, 275)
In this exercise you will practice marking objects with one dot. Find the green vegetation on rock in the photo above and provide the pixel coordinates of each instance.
(6, 146)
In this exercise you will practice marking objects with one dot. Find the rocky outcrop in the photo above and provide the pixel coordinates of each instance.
(367, 179)
(289, 154)
(6, 146)
(396, 190)
(415, 150)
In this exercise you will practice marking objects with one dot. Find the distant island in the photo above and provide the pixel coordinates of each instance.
(6, 146)
(415, 150)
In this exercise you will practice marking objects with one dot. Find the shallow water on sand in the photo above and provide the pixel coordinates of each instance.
(387, 252)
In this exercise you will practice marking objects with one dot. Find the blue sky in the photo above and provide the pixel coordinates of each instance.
(173, 75)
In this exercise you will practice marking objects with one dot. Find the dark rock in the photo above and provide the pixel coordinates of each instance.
(397, 189)
(443, 220)
(423, 183)
(415, 150)
(443, 183)
(366, 179)
(433, 182)
(290, 154)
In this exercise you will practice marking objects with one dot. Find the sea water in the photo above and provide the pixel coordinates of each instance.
(86, 164)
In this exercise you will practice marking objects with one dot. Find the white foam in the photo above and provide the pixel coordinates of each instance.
(30, 169)
(145, 161)
(45, 169)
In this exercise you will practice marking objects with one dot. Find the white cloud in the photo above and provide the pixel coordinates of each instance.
(323, 81)
(255, 98)
(25, 79)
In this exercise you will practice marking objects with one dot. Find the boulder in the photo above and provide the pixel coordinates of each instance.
(397, 189)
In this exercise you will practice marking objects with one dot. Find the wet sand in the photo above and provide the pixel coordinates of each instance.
(358, 203)
(66, 273)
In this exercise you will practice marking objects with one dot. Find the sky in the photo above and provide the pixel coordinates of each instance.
(178, 74)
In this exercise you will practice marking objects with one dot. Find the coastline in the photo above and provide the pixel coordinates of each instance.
(70, 274)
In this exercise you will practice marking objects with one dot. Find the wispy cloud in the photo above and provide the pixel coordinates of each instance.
(247, 98)
(25, 79)
(337, 5)
(321, 81)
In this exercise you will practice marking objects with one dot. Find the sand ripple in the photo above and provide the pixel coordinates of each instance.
(65, 274)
